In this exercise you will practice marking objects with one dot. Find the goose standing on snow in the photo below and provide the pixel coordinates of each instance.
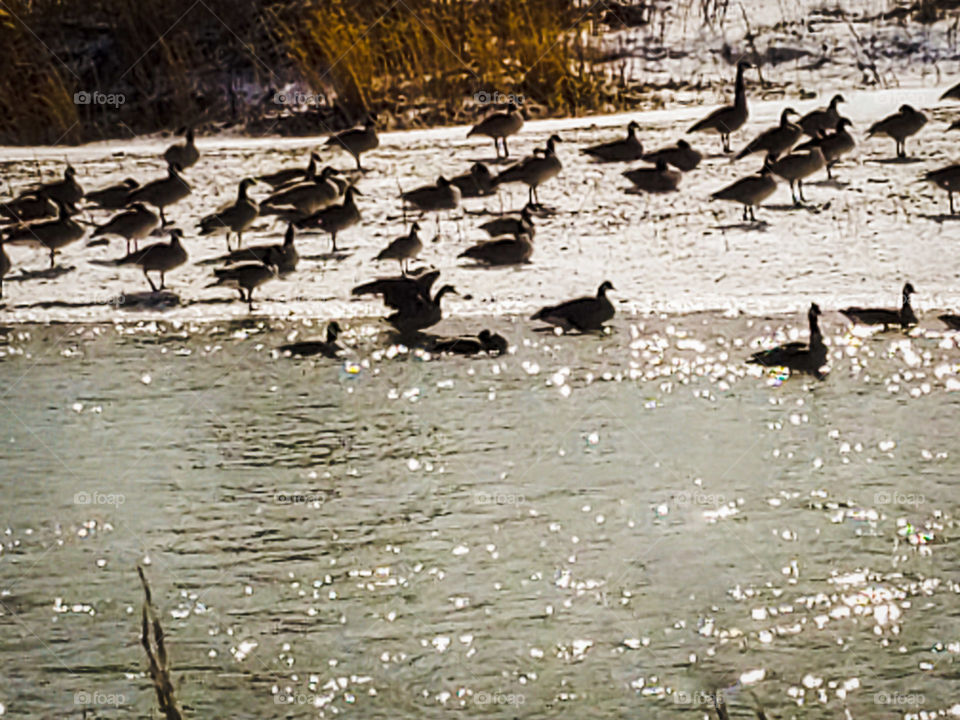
(750, 191)
(902, 124)
(163, 192)
(357, 141)
(234, 219)
(439, 197)
(185, 154)
(67, 191)
(499, 126)
(245, 276)
(801, 357)
(51, 235)
(776, 140)
(534, 170)
(657, 179)
(587, 314)
(821, 120)
(796, 166)
(729, 118)
(291, 175)
(904, 317)
(133, 224)
(28, 207)
(158, 257)
(404, 249)
(328, 348)
(947, 178)
(680, 155)
(304, 198)
(336, 218)
(833, 145)
(625, 150)
(283, 256)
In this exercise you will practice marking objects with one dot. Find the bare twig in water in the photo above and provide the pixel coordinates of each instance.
(720, 705)
(157, 661)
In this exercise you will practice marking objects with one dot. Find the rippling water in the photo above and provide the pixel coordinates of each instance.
(585, 526)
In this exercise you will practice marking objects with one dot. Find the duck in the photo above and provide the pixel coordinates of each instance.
(284, 256)
(533, 170)
(947, 178)
(833, 145)
(821, 120)
(401, 291)
(421, 313)
(658, 179)
(796, 166)
(501, 251)
(681, 155)
(133, 224)
(476, 183)
(586, 314)
(235, 218)
(729, 118)
(750, 191)
(404, 249)
(511, 224)
(808, 358)
(625, 150)
(67, 191)
(113, 197)
(499, 126)
(51, 235)
(28, 207)
(245, 276)
(900, 125)
(776, 140)
(443, 195)
(951, 321)
(183, 155)
(357, 141)
(328, 348)
(288, 176)
(158, 257)
(484, 341)
(336, 218)
(904, 317)
(312, 195)
(163, 192)
(952, 94)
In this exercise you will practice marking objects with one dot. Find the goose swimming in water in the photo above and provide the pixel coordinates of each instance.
(833, 145)
(404, 249)
(587, 314)
(185, 154)
(680, 155)
(163, 192)
(234, 219)
(158, 257)
(499, 126)
(729, 118)
(801, 357)
(822, 120)
(328, 348)
(658, 179)
(336, 218)
(750, 191)
(51, 235)
(950, 320)
(484, 341)
(357, 141)
(904, 317)
(625, 150)
(501, 251)
(113, 197)
(776, 140)
(900, 125)
(132, 225)
(534, 170)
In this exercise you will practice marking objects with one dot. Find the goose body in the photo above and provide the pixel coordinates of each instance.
(951, 321)
(234, 219)
(822, 120)
(307, 197)
(443, 195)
(749, 191)
(947, 178)
(499, 126)
(356, 141)
(158, 257)
(28, 207)
(183, 154)
(900, 125)
(113, 197)
(511, 225)
(585, 314)
(133, 224)
(625, 150)
(328, 348)
(246, 276)
(801, 357)
(163, 192)
(67, 191)
(52, 235)
(404, 249)
(291, 175)
(501, 251)
(904, 316)
(730, 118)
(484, 341)
(533, 170)
(833, 145)
(776, 140)
(680, 155)
(336, 218)
(952, 94)
(476, 183)
(421, 313)
(657, 179)
(796, 166)
(399, 292)
(285, 257)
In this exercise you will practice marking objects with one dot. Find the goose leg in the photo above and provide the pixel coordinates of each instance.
(239, 240)
(506, 150)
(163, 219)
(950, 195)
(53, 258)
(496, 147)
(147, 276)
(357, 158)
(725, 137)
(800, 190)
(250, 300)
(163, 282)
(745, 209)
(752, 216)
(128, 246)
(243, 298)
(793, 193)
(333, 238)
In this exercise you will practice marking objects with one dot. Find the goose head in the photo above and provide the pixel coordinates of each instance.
(814, 311)
(245, 184)
(633, 127)
(908, 291)
(604, 287)
(70, 172)
(551, 143)
(744, 65)
(661, 165)
(176, 235)
(442, 182)
(139, 207)
(333, 331)
(443, 291)
(683, 144)
(836, 100)
(785, 115)
(479, 170)
(174, 169)
(907, 110)
(414, 229)
(350, 192)
(512, 107)
(371, 122)
(130, 183)
(843, 123)
(314, 157)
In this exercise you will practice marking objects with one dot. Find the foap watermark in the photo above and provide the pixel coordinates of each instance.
(299, 498)
(698, 498)
(694, 699)
(95, 97)
(98, 498)
(899, 699)
(498, 498)
(96, 697)
(499, 698)
(297, 98)
(495, 97)
(895, 497)
(288, 697)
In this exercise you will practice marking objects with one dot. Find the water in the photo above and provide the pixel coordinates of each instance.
(588, 526)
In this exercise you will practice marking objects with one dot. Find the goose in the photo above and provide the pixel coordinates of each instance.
(443, 195)
(657, 179)
(113, 197)
(245, 276)
(623, 150)
(951, 321)
(357, 141)
(234, 219)
(499, 126)
(419, 314)
(399, 292)
(952, 94)
(904, 317)
(749, 191)
(284, 257)
(533, 170)
(328, 348)
(307, 197)
(680, 155)
(821, 120)
(404, 249)
(511, 224)
(833, 145)
(291, 175)
(5, 266)
(133, 224)
(796, 166)
(485, 341)
(584, 314)
(729, 118)
(336, 218)
(184, 154)
(947, 178)
(67, 191)
(28, 207)
(476, 183)
(158, 257)
(163, 192)
(51, 235)
(501, 251)
(801, 357)
(776, 140)
(900, 125)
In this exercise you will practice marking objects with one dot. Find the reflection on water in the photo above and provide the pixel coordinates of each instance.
(584, 525)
